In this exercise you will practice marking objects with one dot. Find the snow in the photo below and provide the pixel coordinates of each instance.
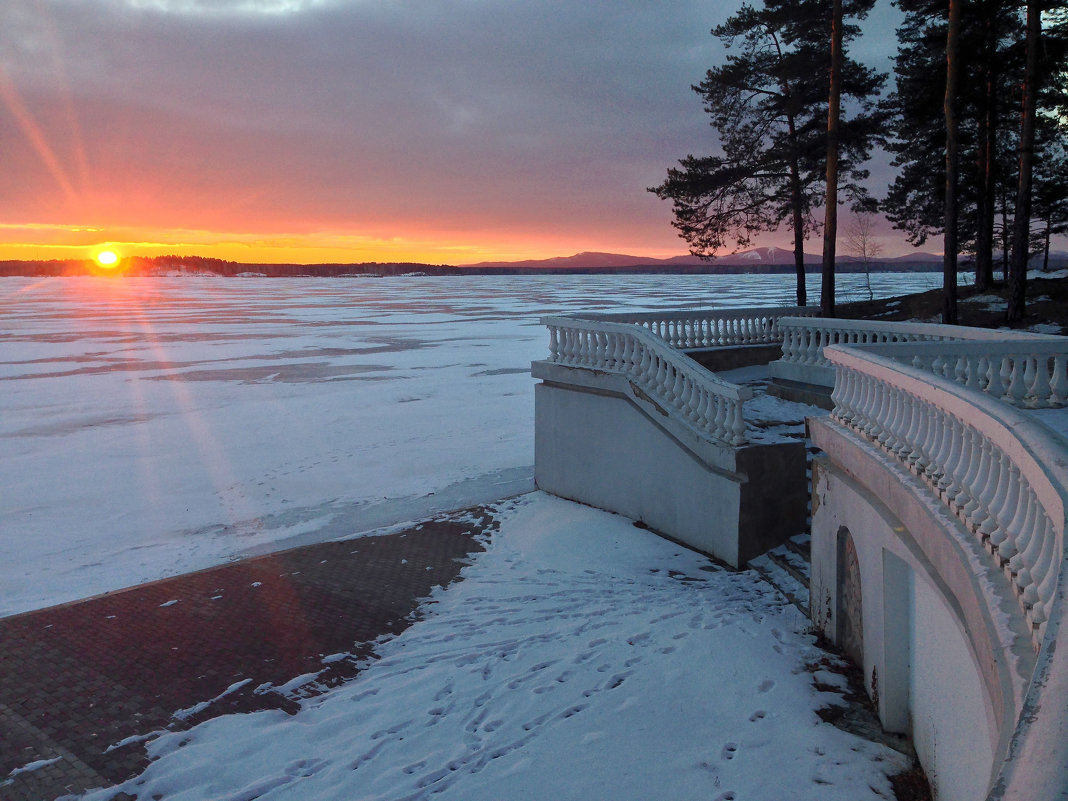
(156, 426)
(30, 767)
(1046, 328)
(580, 657)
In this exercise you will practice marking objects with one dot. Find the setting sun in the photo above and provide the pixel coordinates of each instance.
(107, 258)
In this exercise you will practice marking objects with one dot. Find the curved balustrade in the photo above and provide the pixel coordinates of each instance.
(710, 328)
(1025, 373)
(709, 404)
(976, 455)
(804, 339)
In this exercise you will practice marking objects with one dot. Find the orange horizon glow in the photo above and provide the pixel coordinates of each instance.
(44, 242)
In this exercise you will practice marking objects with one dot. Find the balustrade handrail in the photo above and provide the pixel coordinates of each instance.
(1006, 479)
(805, 338)
(707, 328)
(713, 407)
(1030, 373)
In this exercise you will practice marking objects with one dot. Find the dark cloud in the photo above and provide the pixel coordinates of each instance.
(471, 115)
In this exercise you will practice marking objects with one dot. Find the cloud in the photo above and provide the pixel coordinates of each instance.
(220, 8)
(490, 116)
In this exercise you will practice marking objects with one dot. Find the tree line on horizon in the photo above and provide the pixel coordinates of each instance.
(976, 123)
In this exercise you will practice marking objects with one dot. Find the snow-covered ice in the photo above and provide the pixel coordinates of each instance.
(580, 657)
(155, 426)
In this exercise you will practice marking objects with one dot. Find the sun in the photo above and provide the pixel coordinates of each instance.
(107, 258)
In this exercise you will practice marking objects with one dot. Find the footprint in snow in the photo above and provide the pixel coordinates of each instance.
(729, 750)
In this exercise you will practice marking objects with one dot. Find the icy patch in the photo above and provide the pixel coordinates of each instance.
(188, 712)
(1046, 328)
(988, 302)
(30, 767)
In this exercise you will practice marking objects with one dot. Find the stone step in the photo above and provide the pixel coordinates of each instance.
(787, 571)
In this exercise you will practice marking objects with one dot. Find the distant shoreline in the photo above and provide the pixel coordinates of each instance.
(751, 263)
(65, 269)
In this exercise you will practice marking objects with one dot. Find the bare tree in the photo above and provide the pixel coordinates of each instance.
(862, 243)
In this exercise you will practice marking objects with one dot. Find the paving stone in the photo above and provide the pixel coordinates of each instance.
(78, 678)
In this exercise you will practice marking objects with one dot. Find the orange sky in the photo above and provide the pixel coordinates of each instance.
(319, 131)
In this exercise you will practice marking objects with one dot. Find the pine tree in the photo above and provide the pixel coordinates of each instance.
(988, 65)
(768, 104)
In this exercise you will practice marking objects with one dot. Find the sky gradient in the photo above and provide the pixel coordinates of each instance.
(439, 131)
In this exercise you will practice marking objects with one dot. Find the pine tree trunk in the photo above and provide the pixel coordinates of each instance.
(830, 220)
(796, 198)
(1022, 222)
(949, 255)
(1045, 243)
(984, 240)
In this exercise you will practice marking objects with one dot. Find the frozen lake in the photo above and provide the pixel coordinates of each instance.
(156, 426)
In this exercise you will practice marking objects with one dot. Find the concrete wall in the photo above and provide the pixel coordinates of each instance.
(939, 659)
(600, 440)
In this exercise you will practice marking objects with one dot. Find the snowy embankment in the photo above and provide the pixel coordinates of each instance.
(580, 657)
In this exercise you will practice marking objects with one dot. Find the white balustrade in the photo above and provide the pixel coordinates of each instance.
(710, 328)
(977, 455)
(1031, 373)
(711, 405)
(805, 338)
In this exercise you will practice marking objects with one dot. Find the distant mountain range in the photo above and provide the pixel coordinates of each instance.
(756, 257)
(757, 260)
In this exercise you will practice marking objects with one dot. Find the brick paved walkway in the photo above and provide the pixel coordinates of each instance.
(79, 678)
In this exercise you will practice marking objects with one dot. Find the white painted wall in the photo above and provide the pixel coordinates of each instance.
(927, 680)
(950, 726)
(602, 450)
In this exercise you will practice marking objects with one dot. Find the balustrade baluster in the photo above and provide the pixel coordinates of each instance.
(843, 380)
(894, 431)
(688, 399)
(956, 445)
(976, 510)
(1029, 370)
(991, 528)
(983, 372)
(1040, 383)
(1048, 566)
(719, 425)
(864, 406)
(1004, 378)
(873, 425)
(1032, 594)
(660, 375)
(958, 471)
(1059, 385)
(1027, 540)
(941, 444)
(738, 427)
(1017, 388)
(914, 451)
(702, 413)
(969, 484)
